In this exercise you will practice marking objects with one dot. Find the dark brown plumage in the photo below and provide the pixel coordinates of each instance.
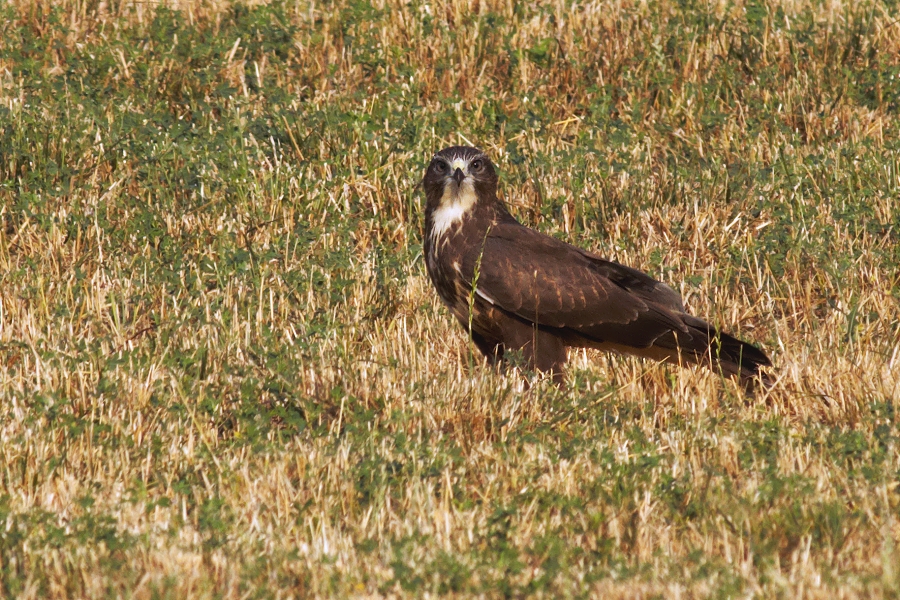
(514, 288)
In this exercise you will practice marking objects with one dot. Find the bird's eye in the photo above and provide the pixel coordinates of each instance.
(476, 165)
(440, 167)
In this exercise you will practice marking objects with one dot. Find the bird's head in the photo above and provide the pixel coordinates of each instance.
(458, 179)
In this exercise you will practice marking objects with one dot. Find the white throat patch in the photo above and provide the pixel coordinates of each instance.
(454, 205)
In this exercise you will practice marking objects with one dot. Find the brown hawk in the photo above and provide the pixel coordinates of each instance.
(514, 288)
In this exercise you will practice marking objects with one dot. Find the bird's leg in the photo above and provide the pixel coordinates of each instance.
(547, 353)
(492, 351)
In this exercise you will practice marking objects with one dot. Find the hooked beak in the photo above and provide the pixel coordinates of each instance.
(458, 176)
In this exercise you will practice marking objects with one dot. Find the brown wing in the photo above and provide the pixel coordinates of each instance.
(551, 283)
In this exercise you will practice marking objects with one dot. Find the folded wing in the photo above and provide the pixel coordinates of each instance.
(553, 284)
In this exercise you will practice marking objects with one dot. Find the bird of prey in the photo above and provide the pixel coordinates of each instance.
(513, 288)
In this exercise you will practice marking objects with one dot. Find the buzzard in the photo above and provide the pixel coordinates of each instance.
(514, 288)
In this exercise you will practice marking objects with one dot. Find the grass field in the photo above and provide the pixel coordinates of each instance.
(224, 373)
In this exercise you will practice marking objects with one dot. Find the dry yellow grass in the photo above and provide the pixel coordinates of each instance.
(225, 373)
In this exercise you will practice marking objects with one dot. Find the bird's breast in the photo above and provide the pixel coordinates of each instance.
(444, 259)
(453, 245)
(445, 273)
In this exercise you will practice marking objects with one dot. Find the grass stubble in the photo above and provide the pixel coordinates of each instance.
(224, 373)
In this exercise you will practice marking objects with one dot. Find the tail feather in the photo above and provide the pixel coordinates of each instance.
(704, 344)
(736, 357)
(693, 341)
